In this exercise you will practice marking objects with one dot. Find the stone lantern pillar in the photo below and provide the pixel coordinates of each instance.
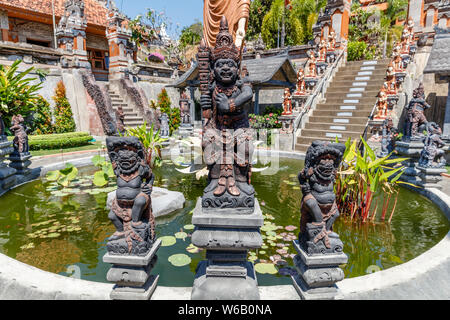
(71, 35)
(121, 49)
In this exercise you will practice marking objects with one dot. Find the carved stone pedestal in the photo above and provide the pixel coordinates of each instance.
(132, 276)
(321, 67)
(392, 100)
(7, 174)
(20, 162)
(317, 274)
(430, 177)
(227, 235)
(411, 150)
(186, 130)
(311, 82)
(299, 102)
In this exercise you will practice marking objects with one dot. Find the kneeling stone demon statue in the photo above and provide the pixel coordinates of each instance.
(131, 210)
(319, 208)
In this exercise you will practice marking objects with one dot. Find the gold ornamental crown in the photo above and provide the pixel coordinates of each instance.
(225, 47)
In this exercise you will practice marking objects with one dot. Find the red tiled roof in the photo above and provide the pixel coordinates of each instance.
(94, 11)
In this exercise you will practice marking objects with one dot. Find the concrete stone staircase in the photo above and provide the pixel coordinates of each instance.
(349, 101)
(132, 118)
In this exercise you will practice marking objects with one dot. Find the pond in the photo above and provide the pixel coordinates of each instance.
(67, 235)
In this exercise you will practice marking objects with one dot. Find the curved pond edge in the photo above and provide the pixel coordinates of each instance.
(424, 277)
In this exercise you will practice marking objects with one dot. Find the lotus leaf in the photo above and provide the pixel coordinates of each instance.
(179, 260)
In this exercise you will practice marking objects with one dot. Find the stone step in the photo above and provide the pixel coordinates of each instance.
(346, 90)
(362, 73)
(338, 120)
(344, 106)
(341, 114)
(338, 127)
(367, 62)
(354, 77)
(368, 84)
(343, 99)
(309, 135)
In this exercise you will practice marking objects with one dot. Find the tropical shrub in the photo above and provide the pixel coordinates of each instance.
(365, 183)
(151, 141)
(63, 113)
(17, 93)
(268, 121)
(42, 118)
(356, 50)
(156, 57)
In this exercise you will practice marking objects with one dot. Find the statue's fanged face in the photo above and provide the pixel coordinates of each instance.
(226, 71)
(127, 159)
(326, 165)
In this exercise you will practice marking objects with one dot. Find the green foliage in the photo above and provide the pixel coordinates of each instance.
(63, 113)
(42, 118)
(191, 35)
(64, 176)
(17, 93)
(356, 50)
(106, 172)
(377, 28)
(165, 106)
(258, 9)
(364, 181)
(298, 21)
(151, 141)
(58, 141)
(273, 109)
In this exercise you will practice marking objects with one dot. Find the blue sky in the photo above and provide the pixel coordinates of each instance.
(182, 12)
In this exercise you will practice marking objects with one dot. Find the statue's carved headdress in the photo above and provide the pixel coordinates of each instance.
(225, 47)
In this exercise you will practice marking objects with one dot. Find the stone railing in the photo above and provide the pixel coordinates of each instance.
(318, 92)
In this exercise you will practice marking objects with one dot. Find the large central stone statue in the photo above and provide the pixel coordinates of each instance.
(227, 217)
(237, 13)
(227, 140)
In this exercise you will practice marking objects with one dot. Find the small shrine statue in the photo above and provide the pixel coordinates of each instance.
(131, 210)
(312, 61)
(405, 41)
(164, 126)
(390, 84)
(411, 35)
(227, 139)
(389, 135)
(432, 155)
(382, 105)
(415, 116)
(397, 60)
(287, 102)
(301, 87)
(319, 209)
(322, 52)
(331, 41)
(20, 141)
(184, 108)
(120, 120)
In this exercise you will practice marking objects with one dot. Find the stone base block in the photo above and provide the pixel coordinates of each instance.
(135, 293)
(131, 260)
(225, 283)
(132, 276)
(305, 293)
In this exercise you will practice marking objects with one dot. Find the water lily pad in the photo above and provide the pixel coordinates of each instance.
(181, 235)
(281, 251)
(265, 268)
(167, 241)
(253, 258)
(262, 252)
(27, 246)
(290, 228)
(264, 247)
(180, 260)
(53, 235)
(189, 227)
(192, 249)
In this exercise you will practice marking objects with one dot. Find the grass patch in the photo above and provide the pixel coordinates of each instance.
(448, 169)
(91, 146)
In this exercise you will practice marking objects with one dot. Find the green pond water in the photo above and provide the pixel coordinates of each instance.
(67, 235)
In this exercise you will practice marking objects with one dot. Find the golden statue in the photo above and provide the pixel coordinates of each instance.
(237, 13)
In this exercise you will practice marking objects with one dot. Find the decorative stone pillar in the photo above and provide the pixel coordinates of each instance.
(335, 16)
(132, 248)
(227, 235)
(71, 35)
(320, 251)
(7, 174)
(4, 26)
(121, 49)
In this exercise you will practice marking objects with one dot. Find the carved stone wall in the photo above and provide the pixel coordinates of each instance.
(102, 102)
